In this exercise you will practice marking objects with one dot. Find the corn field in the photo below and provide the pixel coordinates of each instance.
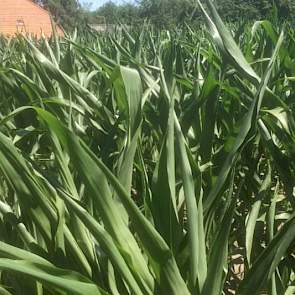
(149, 162)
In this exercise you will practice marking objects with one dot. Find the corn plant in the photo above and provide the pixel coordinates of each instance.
(149, 162)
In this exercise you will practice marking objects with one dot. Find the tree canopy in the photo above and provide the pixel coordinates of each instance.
(68, 13)
(163, 13)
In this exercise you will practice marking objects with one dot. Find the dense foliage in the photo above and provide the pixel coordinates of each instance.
(163, 13)
(149, 162)
(67, 13)
(168, 13)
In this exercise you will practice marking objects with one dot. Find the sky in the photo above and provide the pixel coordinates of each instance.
(97, 3)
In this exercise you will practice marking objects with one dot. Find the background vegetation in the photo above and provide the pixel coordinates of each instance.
(168, 13)
(165, 13)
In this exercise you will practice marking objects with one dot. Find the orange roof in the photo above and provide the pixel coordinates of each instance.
(24, 16)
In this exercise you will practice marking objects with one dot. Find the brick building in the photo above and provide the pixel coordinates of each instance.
(24, 16)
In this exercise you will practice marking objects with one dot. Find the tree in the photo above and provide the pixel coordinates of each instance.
(109, 11)
(67, 13)
(235, 10)
(125, 13)
(165, 13)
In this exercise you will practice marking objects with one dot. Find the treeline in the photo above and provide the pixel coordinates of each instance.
(164, 13)
(170, 12)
